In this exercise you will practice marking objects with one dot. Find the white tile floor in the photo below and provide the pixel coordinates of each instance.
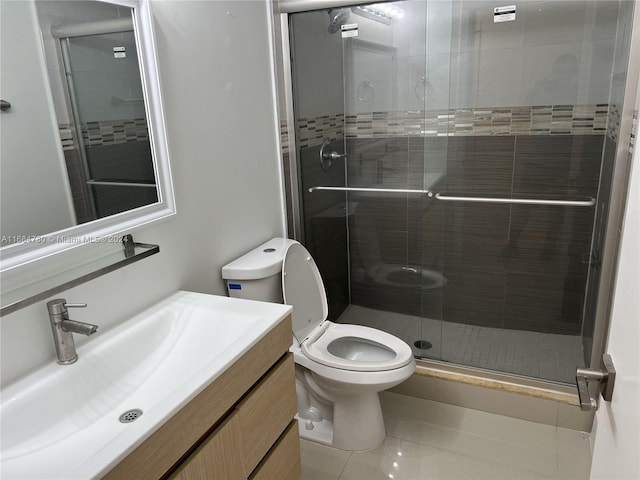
(539, 355)
(450, 442)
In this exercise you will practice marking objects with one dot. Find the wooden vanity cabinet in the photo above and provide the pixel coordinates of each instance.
(241, 426)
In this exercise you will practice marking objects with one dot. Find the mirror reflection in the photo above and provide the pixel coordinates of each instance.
(98, 159)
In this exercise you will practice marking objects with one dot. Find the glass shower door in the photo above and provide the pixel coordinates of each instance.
(529, 96)
(361, 88)
(394, 236)
(478, 143)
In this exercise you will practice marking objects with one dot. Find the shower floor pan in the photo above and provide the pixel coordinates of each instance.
(539, 355)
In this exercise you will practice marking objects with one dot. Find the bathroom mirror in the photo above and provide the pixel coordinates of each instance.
(84, 151)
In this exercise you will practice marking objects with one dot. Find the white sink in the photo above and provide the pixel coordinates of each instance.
(63, 421)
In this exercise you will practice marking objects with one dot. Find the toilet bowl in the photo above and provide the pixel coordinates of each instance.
(339, 368)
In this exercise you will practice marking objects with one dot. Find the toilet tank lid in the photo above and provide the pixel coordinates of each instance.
(261, 262)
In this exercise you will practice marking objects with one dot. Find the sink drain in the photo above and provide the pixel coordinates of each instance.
(422, 344)
(130, 415)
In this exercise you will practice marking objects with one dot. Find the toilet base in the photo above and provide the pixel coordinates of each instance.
(322, 431)
(358, 424)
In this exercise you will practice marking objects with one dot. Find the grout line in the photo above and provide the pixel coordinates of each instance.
(344, 467)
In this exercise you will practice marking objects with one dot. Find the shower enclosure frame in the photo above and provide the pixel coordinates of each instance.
(539, 388)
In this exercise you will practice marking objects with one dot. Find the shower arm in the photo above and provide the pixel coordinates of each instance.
(590, 202)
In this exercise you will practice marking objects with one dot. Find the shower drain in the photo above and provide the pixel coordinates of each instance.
(422, 344)
(130, 415)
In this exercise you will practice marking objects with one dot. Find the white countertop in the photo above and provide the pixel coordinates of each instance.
(61, 422)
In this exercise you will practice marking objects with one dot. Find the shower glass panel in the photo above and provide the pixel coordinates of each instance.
(529, 107)
(360, 82)
(105, 91)
(462, 218)
(390, 83)
(317, 70)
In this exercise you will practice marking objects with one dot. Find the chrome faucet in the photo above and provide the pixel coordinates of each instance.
(63, 329)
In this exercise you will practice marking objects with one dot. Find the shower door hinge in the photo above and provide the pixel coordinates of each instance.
(606, 376)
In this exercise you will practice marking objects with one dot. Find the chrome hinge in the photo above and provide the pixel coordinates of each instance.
(606, 376)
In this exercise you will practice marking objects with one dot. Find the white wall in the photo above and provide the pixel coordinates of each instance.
(33, 172)
(617, 441)
(216, 74)
(317, 71)
(529, 61)
(555, 52)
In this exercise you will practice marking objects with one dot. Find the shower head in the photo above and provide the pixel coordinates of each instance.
(337, 18)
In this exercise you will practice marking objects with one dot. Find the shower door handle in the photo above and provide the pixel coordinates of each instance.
(606, 376)
(328, 156)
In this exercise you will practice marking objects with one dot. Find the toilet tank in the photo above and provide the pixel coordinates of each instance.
(257, 275)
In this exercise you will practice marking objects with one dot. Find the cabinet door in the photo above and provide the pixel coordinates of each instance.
(283, 461)
(266, 412)
(219, 456)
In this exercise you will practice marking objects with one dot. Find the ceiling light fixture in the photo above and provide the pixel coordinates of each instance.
(379, 12)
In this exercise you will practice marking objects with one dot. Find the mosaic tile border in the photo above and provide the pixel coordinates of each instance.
(536, 120)
(284, 136)
(312, 131)
(106, 133)
(596, 119)
(66, 137)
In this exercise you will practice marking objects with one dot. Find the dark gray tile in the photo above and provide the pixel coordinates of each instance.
(378, 162)
(122, 161)
(553, 234)
(479, 165)
(476, 235)
(557, 166)
(550, 310)
(287, 191)
(110, 200)
(472, 309)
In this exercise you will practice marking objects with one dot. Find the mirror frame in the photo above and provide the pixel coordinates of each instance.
(13, 257)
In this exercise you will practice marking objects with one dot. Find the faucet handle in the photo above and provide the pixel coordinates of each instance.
(60, 305)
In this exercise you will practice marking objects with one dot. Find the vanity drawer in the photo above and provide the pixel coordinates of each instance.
(266, 411)
(283, 461)
(217, 456)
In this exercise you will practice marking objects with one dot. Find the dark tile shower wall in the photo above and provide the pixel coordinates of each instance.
(509, 266)
(324, 224)
(286, 171)
(130, 162)
(115, 162)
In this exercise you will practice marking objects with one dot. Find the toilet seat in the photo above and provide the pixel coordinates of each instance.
(340, 346)
(356, 348)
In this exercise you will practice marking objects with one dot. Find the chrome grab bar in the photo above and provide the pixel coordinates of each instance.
(120, 184)
(521, 201)
(379, 190)
(451, 198)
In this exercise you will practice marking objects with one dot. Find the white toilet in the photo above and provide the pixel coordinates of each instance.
(339, 368)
